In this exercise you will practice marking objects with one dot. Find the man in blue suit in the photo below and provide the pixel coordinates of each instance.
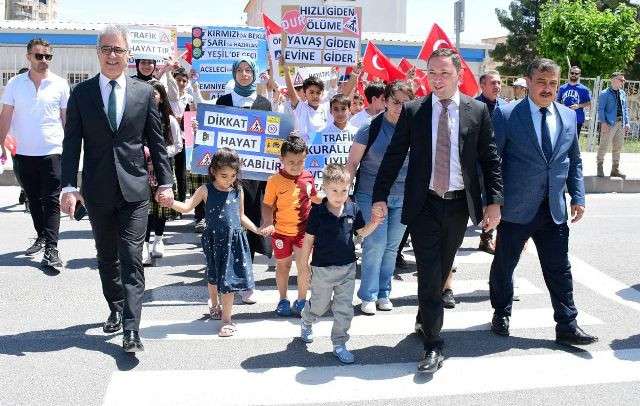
(613, 115)
(537, 141)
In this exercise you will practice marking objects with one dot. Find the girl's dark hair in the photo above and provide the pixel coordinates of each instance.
(180, 73)
(225, 158)
(165, 111)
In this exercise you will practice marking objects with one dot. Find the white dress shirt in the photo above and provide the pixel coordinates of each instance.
(243, 101)
(553, 122)
(105, 90)
(455, 169)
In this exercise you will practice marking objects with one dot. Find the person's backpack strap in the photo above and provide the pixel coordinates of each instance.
(374, 130)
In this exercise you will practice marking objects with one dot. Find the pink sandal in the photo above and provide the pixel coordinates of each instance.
(227, 330)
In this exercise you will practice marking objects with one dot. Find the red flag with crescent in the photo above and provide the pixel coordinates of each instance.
(270, 26)
(377, 65)
(438, 39)
(420, 78)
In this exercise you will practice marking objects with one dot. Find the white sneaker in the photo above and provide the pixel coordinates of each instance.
(146, 257)
(368, 307)
(384, 304)
(158, 247)
(247, 297)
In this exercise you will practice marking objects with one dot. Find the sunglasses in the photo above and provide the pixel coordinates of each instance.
(575, 73)
(107, 50)
(41, 57)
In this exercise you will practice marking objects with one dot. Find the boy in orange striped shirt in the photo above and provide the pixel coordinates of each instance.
(285, 210)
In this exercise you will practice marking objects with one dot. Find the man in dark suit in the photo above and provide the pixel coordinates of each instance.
(115, 117)
(537, 141)
(448, 136)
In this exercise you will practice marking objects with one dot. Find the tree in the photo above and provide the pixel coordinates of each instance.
(523, 21)
(600, 42)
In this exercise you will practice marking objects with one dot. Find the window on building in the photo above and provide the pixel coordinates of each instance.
(6, 77)
(76, 77)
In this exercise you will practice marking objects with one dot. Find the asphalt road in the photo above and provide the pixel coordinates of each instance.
(53, 351)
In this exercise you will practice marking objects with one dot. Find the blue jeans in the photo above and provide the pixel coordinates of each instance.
(379, 249)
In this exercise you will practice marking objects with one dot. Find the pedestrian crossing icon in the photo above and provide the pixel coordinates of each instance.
(256, 127)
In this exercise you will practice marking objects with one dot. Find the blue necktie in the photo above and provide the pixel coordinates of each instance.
(111, 108)
(547, 150)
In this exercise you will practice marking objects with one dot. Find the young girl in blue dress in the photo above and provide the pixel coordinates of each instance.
(224, 240)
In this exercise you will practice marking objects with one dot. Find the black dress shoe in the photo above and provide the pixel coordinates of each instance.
(448, 301)
(576, 337)
(500, 325)
(113, 323)
(131, 341)
(431, 361)
(401, 263)
(36, 247)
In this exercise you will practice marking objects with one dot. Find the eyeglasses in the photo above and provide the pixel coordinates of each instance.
(107, 50)
(41, 57)
(575, 73)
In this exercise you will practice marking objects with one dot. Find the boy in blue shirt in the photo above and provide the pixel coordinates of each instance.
(575, 95)
(329, 234)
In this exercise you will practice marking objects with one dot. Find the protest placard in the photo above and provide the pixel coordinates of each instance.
(215, 49)
(256, 136)
(330, 145)
(321, 35)
(150, 42)
(298, 74)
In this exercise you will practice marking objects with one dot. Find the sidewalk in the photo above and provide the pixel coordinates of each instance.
(629, 164)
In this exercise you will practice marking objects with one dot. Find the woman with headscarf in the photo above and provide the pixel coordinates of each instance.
(244, 95)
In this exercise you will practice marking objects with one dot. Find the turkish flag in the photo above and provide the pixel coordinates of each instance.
(270, 26)
(377, 65)
(438, 39)
(420, 78)
(188, 54)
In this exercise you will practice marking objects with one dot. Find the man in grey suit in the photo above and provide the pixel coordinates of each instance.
(115, 117)
(538, 144)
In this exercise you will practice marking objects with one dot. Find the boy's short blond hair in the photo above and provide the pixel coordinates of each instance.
(335, 173)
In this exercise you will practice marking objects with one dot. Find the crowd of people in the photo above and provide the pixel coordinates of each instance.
(418, 167)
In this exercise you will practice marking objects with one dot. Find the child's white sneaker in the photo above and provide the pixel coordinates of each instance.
(368, 307)
(158, 247)
(146, 256)
(248, 296)
(384, 304)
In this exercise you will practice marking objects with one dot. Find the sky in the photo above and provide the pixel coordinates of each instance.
(480, 21)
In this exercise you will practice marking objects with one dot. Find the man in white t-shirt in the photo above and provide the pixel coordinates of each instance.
(374, 93)
(34, 107)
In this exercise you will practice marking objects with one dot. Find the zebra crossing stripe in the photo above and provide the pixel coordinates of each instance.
(353, 383)
(394, 323)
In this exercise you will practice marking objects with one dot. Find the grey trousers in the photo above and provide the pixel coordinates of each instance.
(338, 281)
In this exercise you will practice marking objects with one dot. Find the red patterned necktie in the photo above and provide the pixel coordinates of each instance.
(441, 167)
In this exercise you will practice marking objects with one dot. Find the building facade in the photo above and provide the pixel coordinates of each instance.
(39, 10)
(74, 47)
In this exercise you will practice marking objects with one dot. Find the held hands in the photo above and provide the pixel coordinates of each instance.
(266, 231)
(491, 217)
(577, 212)
(377, 215)
(68, 202)
(379, 209)
(164, 196)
